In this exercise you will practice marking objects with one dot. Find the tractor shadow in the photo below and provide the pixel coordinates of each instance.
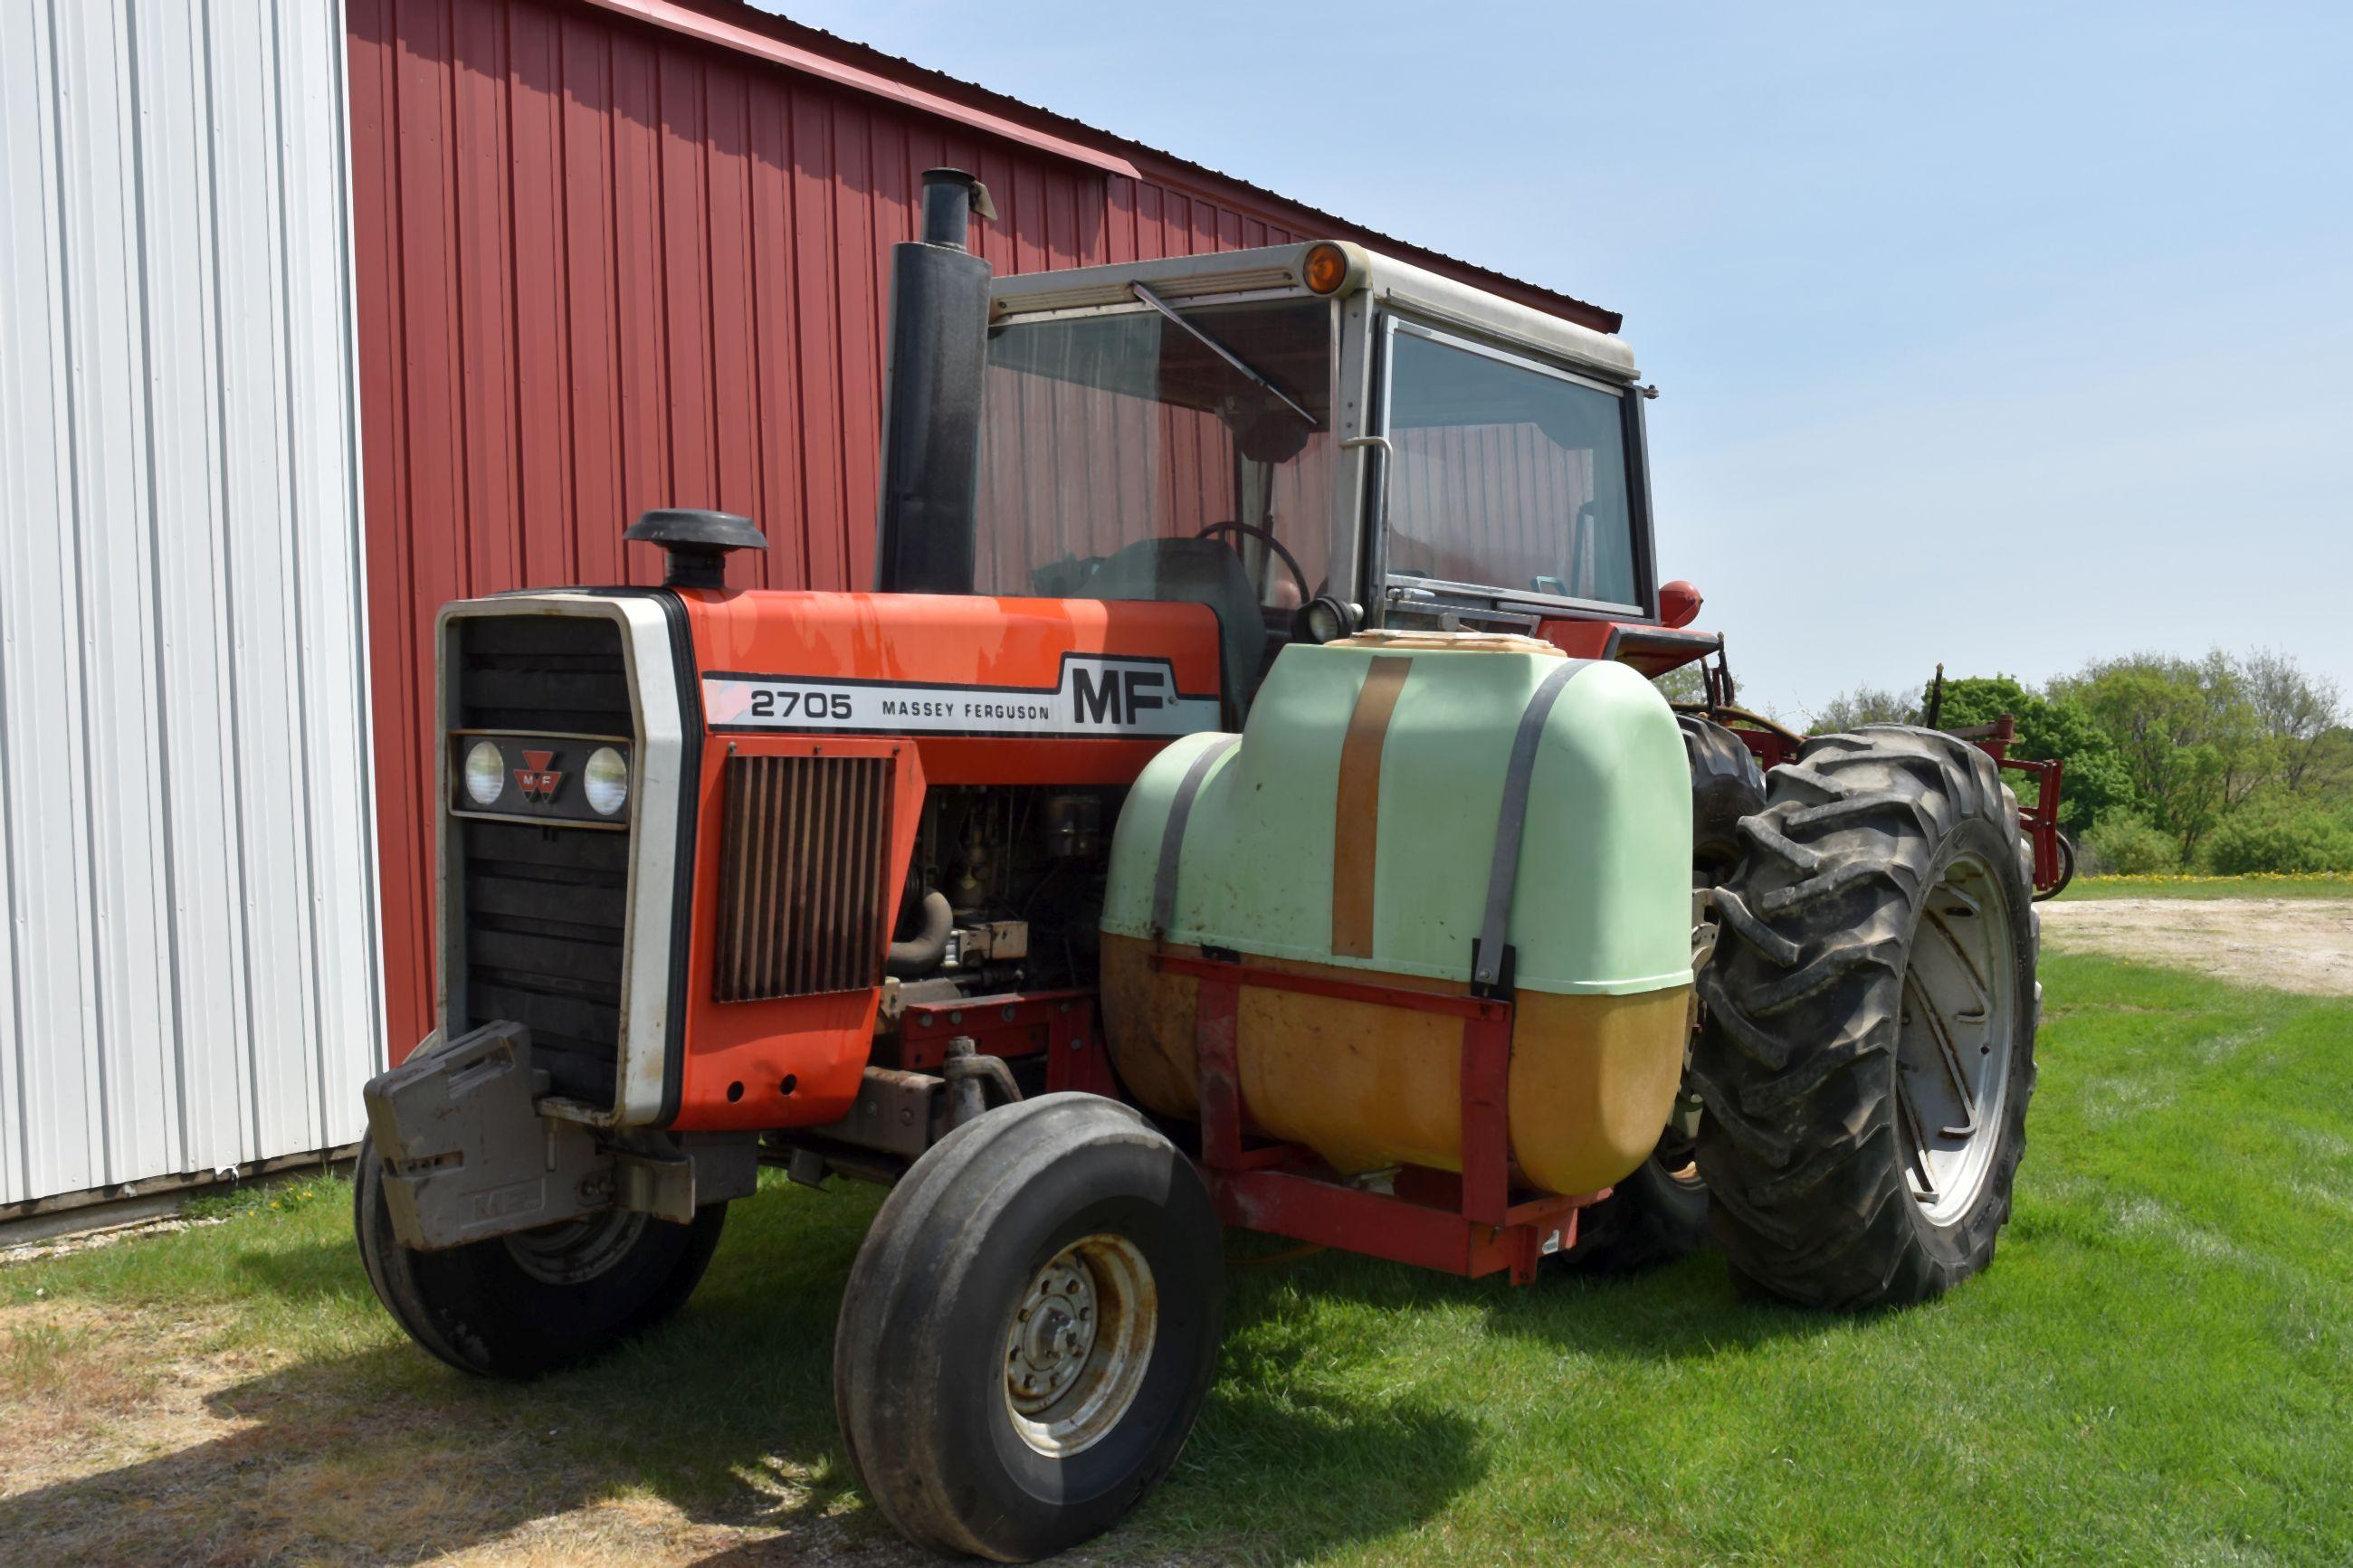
(1686, 1311)
(721, 1423)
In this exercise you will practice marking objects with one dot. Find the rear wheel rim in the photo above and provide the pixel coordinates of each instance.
(1079, 1343)
(1953, 1045)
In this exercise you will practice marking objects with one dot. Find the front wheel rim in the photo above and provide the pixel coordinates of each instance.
(1954, 1040)
(1079, 1343)
(574, 1251)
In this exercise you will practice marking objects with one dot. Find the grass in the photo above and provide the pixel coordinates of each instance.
(2265, 884)
(2158, 1368)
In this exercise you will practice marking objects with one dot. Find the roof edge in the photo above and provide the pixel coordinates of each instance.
(740, 28)
(733, 35)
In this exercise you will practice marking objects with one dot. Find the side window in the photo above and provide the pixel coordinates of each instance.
(1507, 476)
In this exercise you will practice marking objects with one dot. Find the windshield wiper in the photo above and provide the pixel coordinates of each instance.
(1219, 349)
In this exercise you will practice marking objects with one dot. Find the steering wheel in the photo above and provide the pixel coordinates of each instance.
(1266, 537)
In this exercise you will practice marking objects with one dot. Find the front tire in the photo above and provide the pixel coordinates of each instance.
(520, 1306)
(1868, 1050)
(1029, 1329)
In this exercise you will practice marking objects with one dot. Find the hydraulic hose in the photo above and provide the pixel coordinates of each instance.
(920, 954)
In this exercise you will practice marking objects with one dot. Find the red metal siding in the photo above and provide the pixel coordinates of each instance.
(604, 267)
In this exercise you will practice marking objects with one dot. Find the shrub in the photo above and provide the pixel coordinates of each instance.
(2097, 783)
(2127, 846)
(2257, 839)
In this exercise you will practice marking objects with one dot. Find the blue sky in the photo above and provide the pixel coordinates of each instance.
(2008, 335)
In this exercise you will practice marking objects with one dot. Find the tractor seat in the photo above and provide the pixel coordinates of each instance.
(1194, 571)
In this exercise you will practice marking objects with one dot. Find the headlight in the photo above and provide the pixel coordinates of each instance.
(606, 781)
(486, 773)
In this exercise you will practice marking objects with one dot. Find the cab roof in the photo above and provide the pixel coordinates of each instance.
(1278, 269)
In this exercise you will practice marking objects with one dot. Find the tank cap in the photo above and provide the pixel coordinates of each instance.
(697, 542)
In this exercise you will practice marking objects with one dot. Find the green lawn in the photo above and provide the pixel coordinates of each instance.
(2318, 886)
(2158, 1368)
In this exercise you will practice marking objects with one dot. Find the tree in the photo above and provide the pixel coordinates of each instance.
(2297, 713)
(2159, 745)
(2185, 730)
(1682, 684)
(2242, 752)
(1863, 705)
(2096, 784)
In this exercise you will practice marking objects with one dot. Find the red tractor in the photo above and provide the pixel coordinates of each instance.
(1242, 801)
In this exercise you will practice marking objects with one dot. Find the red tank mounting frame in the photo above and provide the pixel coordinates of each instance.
(1472, 1224)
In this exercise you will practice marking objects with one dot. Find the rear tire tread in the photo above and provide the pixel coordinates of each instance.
(1796, 1058)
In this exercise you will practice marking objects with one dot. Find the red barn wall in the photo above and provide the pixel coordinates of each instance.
(604, 264)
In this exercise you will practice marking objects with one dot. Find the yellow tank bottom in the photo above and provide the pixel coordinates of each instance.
(1593, 1077)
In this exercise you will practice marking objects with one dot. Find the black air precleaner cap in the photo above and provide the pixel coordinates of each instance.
(697, 542)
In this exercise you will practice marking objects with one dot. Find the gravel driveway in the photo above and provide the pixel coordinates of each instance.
(2287, 945)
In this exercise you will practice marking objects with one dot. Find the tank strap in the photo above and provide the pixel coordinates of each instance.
(1172, 837)
(1491, 957)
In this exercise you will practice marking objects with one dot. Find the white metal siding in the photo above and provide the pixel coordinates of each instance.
(190, 956)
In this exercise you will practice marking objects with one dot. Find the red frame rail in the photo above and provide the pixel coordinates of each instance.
(2039, 822)
(1468, 1225)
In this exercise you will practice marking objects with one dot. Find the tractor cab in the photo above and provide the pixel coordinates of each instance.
(1316, 440)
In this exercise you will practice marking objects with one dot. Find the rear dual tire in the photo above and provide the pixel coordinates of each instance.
(1658, 1214)
(1867, 1053)
(1652, 1217)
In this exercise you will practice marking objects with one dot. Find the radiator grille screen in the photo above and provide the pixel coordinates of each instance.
(802, 876)
(560, 673)
(542, 909)
(545, 914)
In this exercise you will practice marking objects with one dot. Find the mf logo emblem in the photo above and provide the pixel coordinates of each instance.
(537, 778)
(1124, 696)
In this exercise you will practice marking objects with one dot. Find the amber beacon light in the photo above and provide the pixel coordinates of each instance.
(1327, 267)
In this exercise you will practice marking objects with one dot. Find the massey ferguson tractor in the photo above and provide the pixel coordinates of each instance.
(1242, 801)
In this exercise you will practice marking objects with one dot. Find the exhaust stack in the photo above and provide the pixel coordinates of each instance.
(931, 400)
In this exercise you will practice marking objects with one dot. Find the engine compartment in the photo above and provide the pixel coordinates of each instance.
(1021, 870)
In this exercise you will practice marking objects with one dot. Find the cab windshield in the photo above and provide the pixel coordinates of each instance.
(1124, 458)
(1509, 475)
